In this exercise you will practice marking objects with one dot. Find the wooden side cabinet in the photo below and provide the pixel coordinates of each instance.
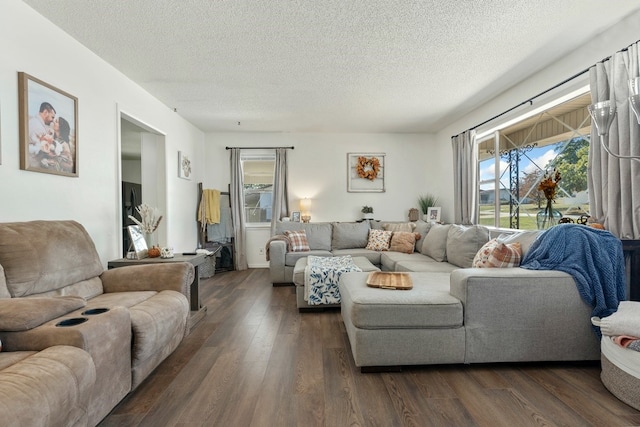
(198, 311)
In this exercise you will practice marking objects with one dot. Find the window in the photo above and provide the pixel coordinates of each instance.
(513, 160)
(258, 171)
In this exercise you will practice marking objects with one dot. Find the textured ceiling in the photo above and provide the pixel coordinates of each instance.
(330, 65)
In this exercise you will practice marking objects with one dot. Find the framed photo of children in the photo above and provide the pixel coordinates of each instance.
(48, 128)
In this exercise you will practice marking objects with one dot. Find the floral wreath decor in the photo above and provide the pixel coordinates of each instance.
(368, 168)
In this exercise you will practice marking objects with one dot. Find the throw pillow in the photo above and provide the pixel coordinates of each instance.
(379, 240)
(464, 242)
(498, 255)
(525, 238)
(403, 241)
(403, 226)
(434, 244)
(297, 240)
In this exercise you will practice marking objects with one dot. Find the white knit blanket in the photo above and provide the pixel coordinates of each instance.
(321, 278)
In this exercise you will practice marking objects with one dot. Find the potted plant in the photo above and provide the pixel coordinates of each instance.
(426, 201)
(367, 212)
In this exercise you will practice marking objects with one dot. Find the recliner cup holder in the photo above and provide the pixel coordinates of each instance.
(93, 311)
(72, 322)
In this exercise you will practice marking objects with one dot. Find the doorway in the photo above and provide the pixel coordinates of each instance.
(142, 174)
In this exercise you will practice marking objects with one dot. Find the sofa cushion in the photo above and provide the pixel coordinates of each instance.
(388, 259)
(425, 267)
(498, 255)
(435, 243)
(290, 258)
(22, 314)
(347, 235)
(422, 228)
(402, 226)
(372, 256)
(379, 240)
(427, 305)
(318, 233)
(24, 242)
(403, 241)
(464, 242)
(297, 241)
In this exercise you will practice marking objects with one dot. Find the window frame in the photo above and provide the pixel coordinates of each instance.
(492, 131)
(266, 155)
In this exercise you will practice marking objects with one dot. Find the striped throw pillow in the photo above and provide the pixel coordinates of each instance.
(298, 240)
(498, 255)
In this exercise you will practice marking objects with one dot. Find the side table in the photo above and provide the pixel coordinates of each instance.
(197, 310)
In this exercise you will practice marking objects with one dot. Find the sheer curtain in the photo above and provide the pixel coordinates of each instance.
(237, 207)
(614, 184)
(465, 178)
(280, 191)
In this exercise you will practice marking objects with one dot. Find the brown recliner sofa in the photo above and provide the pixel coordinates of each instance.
(52, 387)
(55, 291)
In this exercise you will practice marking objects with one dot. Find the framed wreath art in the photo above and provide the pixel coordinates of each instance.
(365, 172)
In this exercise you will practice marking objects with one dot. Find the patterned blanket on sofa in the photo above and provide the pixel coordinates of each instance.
(321, 277)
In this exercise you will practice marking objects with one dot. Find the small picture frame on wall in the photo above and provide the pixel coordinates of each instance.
(295, 216)
(184, 165)
(48, 121)
(433, 214)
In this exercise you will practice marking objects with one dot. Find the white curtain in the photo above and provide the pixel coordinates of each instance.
(614, 184)
(280, 206)
(237, 211)
(465, 178)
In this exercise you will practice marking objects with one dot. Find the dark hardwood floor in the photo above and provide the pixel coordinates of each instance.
(255, 361)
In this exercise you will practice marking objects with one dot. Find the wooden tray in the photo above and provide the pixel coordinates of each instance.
(389, 280)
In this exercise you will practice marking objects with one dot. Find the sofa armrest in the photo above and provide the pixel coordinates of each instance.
(175, 276)
(106, 337)
(515, 314)
(277, 253)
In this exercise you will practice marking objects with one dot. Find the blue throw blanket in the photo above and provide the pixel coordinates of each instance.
(593, 257)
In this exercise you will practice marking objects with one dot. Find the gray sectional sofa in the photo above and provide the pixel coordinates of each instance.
(454, 313)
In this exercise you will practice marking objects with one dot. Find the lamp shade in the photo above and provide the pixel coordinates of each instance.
(305, 206)
(305, 209)
(602, 114)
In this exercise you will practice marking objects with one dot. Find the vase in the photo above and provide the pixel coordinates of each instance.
(548, 217)
(150, 238)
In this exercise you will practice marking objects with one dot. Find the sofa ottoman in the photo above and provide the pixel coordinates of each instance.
(386, 327)
(298, 280)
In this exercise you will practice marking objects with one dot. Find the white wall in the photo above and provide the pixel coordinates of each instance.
(32, 44)
(318, 170)
(592, 51)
